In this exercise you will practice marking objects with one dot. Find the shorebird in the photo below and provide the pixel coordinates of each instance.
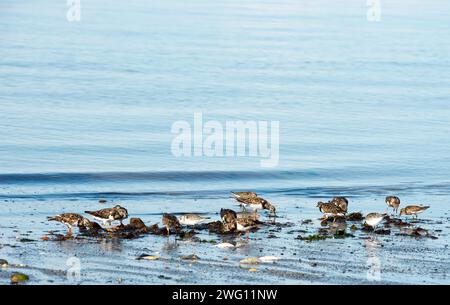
(227, 215)
(69, 219)
(228, 219)
(413, 210)
(393, 202)
(258, 203)
(340, 202)
(108, 215)
(171, 222)
(330, 209)
(242, 196)
(87, 225)
(192, 219)
(373, 219)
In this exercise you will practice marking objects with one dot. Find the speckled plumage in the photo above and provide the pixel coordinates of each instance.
(171, 222)
(393, 202)
(413, 210)
(108, 215)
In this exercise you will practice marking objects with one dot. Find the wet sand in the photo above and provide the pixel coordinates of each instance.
(355, 259)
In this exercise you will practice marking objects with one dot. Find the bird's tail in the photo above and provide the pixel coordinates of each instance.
(52, 218)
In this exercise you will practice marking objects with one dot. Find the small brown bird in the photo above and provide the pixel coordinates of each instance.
(340, 202)
(227, 215)
(393, 202)
(330, 209)
(87, 225)
(258, 203)
(69, 219)
(108, 215)
(242, 196)
(413, 210)
(171, 222)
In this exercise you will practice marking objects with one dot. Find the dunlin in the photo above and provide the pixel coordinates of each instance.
(413, 210)
(393, 202)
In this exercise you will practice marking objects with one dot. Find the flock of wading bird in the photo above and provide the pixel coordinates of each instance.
(231, 221)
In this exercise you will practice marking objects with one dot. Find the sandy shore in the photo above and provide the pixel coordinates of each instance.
(360, 258)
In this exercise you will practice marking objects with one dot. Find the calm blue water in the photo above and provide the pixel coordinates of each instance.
(87, 107)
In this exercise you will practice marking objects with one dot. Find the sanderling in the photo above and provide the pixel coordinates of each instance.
(373, 219)
(192, 219)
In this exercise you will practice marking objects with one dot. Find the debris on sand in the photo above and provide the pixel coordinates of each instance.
(148, 257)
(3, 263)
(268, 259)
(313, 237)
(191, 257)
(250, 261)
(225, 246)
(102, 201)
(306, 221)
(19, 278)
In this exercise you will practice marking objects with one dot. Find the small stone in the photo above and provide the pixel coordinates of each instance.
(19, 277)
(3, 263)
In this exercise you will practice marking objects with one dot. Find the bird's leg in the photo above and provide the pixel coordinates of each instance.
(168, 230)
(254, 215)
(69, 230)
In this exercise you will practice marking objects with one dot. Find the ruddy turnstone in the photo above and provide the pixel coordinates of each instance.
(373, 219)
(87, 225)
(69, 219)
(330, 209)
(192, 219)
(258, 203)
(171, 222)
(228, 219)
(393, 202)
(242, 196)
(413, 210)
(227, 215)
(108, 215)
(340, 202)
